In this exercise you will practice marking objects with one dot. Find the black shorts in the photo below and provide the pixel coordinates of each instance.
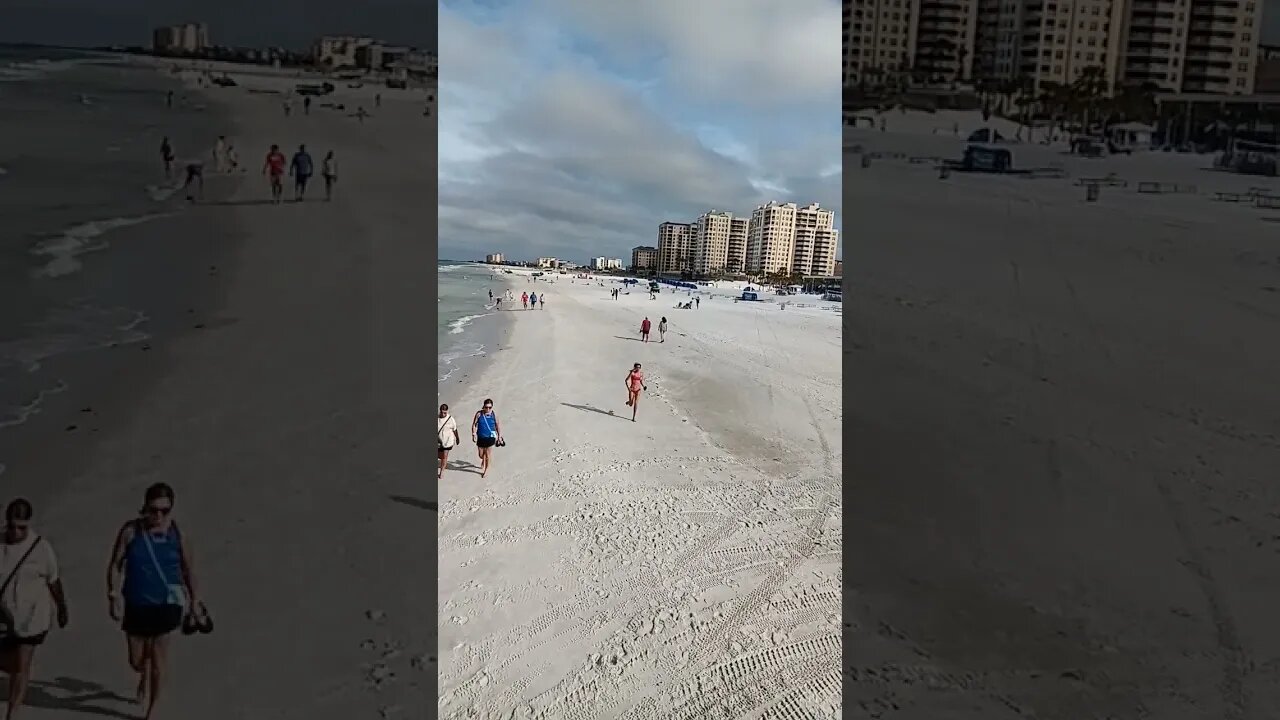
(302, 180)
(151, 621)
(486, 442)
(8, 642)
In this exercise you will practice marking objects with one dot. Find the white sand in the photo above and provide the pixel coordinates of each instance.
(290, 427)
(686, 565)
(1067, 441)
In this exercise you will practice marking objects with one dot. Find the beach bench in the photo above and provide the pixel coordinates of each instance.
(1270, 202)
(1108, 181)
(1234, 197)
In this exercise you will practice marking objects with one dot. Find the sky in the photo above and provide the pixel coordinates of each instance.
(293, 24)
(572, 128)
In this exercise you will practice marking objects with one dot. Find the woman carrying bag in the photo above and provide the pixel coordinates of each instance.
(31, 599)
(159, 592)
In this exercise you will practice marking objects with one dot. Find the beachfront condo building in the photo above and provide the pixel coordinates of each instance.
(1192, 46)
(814, 248)
(786, 238)
(644, 257)
(739, 231)
(675, 247)
(711, 242)
(184, 38)
(494, 258)
(772, 238)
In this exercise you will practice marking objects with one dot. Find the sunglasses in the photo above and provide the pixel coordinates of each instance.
(157, 510)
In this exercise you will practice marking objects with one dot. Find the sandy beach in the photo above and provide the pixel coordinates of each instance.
(1066, 438)
(286, 416)
(685, 565)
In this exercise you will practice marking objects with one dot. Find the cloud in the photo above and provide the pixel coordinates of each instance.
(550, 146)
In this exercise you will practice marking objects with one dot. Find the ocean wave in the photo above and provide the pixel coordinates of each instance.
(460, 325)
(63, 250)
(72, 329)
(19, 414)
(447, 361)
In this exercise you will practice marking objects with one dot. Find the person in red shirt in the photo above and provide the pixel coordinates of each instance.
(274, 168)
(644, 330)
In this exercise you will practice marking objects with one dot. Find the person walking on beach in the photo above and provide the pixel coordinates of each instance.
(301, 168)
(644, 330)
(446, 437)
(159, 590)
(329, 168)
(486, 433)
(220, 154)
(697, 302)
(195, 176)
(306, 105)
(166, 155)
(31, 599)
(533, 300)
(662, 330)
(524, 300)
(233, 159)
(635, 383)
(273, 168)
(490, 294)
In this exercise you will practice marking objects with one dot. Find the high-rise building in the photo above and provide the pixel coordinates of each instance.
(184, 38)
(814, 247)
(785, 238)
(1191, 46)
(675, 247)
(736, 259)
(771, 239)
(644, 257)
(494, 258)
(928, 41)
(711, 242)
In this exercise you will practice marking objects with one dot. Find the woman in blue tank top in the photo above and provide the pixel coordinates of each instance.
(486, 432)
(159, 590)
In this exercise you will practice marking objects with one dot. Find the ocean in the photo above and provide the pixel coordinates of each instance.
(466, 327)
(94, 251)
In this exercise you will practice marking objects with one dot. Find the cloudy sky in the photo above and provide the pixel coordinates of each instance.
(571, 128)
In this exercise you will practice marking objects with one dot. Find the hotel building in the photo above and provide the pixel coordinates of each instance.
(1192, 46)
(711, 242)
(184, 38)
(675, 247)
(644, 257)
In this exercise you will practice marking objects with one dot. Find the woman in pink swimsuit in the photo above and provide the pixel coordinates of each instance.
(635, 383)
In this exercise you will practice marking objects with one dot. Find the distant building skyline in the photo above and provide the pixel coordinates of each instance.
(290, 24)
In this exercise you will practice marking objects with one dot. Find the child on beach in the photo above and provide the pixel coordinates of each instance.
(635, 383)
(446, 437)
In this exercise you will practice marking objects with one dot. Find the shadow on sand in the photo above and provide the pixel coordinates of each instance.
(239, 203)
(636, 339)
(588, 408)
(415, 502)
(461, 466)
(69, 695)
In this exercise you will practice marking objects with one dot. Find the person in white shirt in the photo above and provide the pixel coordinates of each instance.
(446, 437)
(329, 170)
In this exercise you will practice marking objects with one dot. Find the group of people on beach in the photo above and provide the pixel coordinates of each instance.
(486, 434)
(151, 591)
(301, 167)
